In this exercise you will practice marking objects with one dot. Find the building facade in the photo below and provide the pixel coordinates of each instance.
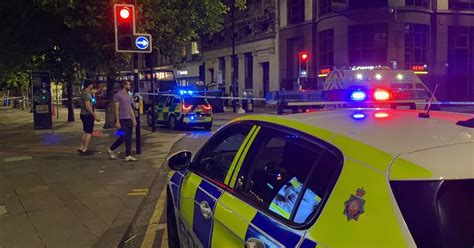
(208, 62)
(434, 37)
(256, 61)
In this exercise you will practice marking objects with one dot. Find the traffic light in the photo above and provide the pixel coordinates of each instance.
(303, 58)
(126, 39)
(124, 26)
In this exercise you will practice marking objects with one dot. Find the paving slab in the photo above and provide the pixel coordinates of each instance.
(60, 228)
(40, 201)
(18, 231)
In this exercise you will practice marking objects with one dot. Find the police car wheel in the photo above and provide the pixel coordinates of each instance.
(173, 237)
(172, 123)
(207, 126)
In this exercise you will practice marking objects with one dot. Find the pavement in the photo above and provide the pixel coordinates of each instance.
(51, 197)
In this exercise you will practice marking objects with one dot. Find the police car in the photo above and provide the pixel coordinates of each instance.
(377, 87)
(341, 178)
(183, 109)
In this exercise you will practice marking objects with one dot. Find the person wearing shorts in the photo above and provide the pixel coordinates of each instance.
(88, 117)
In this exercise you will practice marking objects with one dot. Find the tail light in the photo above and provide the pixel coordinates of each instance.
(381, 95)
(207, 108)
(186, 108)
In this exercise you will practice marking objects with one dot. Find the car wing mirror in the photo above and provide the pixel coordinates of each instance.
(180, 160)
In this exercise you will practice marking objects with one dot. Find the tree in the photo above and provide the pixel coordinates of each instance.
(61, 36)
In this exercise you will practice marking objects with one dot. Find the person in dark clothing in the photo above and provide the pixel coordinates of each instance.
(124, 121)
(88, 117)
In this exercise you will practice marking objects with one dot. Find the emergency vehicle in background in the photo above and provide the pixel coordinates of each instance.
(359, 87)
(376, 87)
(181, 109)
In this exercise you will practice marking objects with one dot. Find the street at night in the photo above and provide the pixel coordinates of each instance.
(236, 123)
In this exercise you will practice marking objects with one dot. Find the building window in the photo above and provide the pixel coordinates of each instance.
(326, 48)
(367, 4)
(194, 48)
(368, 44)
(295, 11)
(248, 71)
(418, 3)
(416, 44)
(461, 62)
(325, 7)
(222, 70)
(461, 4)
(183, 53)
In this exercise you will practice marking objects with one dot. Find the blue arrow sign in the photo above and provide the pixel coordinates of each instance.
(142, 42)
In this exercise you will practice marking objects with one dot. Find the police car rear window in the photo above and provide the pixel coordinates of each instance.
(195, 101)
(438, 213)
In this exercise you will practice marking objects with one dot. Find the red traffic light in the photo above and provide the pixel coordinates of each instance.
(124, 13)
(304, 56)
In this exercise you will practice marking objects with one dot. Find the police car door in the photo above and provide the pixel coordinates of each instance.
(160, 108)
(266, 207)
(205, 181)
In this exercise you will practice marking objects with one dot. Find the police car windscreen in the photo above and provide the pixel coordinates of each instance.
(285, 201)
(438, 213)
(195, 101)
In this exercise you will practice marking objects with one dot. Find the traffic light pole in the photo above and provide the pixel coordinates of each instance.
(152, 87)
(138, 135)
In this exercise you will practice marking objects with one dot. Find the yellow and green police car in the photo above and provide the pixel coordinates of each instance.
(176, 111)
(341, 178)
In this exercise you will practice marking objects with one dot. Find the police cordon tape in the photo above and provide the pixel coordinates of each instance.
(206, 97)
(306, 103)
(21, 98)
(289, 103)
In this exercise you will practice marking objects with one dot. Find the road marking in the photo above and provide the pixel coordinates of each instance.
(137, 193)
(140, 192)
(16, 159)
(153, 225)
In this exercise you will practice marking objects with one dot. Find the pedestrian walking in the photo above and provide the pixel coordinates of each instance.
(124, 121)
(88, 116)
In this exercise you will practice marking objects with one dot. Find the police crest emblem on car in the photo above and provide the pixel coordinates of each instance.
(354, 207)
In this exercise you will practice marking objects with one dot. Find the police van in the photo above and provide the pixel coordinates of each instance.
(182, 109)
(376, 87)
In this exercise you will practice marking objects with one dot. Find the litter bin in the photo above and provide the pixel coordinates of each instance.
(247, 102)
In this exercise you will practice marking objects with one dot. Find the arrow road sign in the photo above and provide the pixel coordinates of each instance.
(142, 42)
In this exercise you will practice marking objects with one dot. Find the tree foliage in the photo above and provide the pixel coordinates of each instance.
(65, 37)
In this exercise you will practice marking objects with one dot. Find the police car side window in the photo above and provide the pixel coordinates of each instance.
(176, 100)
(217, 155)
(282, 167)
(161, 101)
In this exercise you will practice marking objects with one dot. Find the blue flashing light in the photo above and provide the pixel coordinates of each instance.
(358, 95)
(358, 116)
(186, 92)
(193, 117)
